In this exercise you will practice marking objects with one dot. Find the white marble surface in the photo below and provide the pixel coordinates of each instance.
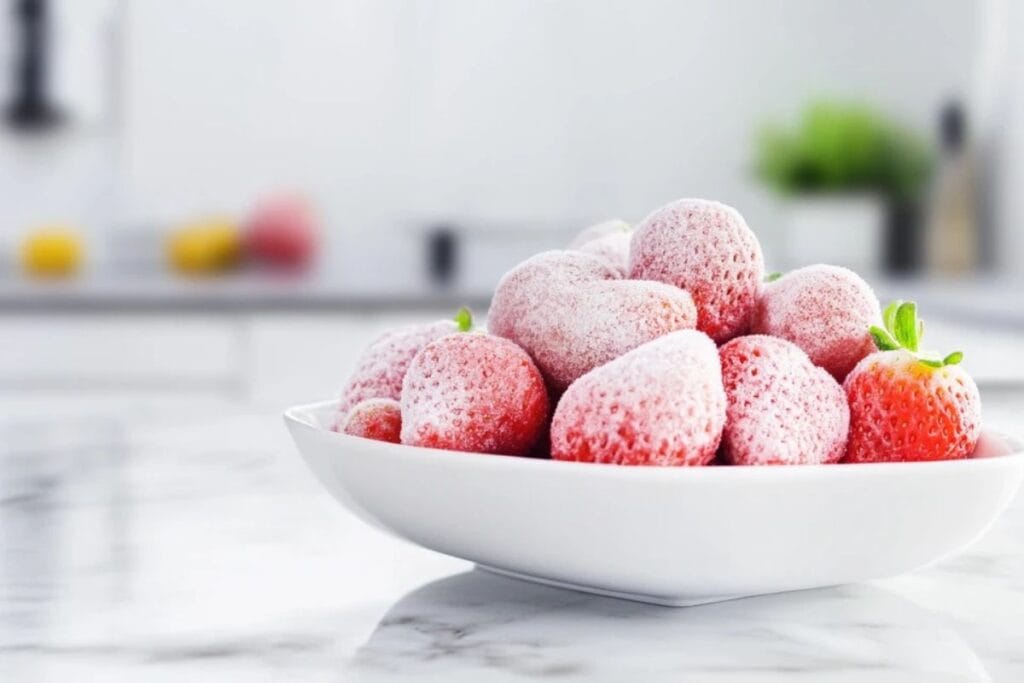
(180, 547)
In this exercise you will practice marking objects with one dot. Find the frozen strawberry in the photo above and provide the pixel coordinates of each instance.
(707, 249)
(613, 249)
(375, 418)
(572, 312)
(660, 404)
(782, 409)
(382, 368)
(473, 392)
(910, 405)
(826, 311)
(597, 231)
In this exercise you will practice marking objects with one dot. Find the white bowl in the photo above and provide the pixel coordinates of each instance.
(673, 536)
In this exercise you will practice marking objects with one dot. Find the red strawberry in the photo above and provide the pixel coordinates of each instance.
(609, 241)
(375, 418)
(782, 409)
(826, 311)
(382, 368)
(660, 404)
(906, 405)
(572, 312)
(707, 249)
(473, 392)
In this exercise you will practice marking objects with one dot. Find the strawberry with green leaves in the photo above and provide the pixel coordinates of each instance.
(907, 404)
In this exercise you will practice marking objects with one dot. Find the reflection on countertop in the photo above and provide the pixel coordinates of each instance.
(175, 546)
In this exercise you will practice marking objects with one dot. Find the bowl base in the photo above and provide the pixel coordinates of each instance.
(660, 600)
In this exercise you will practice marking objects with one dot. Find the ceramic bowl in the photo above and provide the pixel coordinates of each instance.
(673, 536)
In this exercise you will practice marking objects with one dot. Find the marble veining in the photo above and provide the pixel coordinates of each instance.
(200, 549)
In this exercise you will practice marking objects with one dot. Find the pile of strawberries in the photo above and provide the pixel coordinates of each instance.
(667, 345)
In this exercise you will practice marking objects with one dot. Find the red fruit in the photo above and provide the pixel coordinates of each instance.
(612, 249)
(282, 232)
(660, 404)
(707, 249)
(908, 406)
(782, 409)
(609, 241)
(375, 418)
(473, 392)
(382, 368)
(826, 311)
(572, 312)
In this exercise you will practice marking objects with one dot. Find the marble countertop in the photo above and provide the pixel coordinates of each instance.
(197, 548)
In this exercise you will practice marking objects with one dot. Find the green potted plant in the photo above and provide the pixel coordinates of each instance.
(852, 179)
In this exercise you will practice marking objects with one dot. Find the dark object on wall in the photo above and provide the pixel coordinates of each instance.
(442, 254)
(30, 107)
(903, 253)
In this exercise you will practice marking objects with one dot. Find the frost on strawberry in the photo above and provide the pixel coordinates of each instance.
(660, 404)
(825, 310)
(473, 392)
(573, 312)
(375, 418)
(782, 409)
(707, 249)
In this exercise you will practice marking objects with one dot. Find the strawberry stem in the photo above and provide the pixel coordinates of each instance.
(904, 330)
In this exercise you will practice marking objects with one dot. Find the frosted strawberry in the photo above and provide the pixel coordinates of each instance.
(782, 409)
(910, 405)
(374, 418)
(609, 241)
(382, 366)
(613, 249)
(473, 392)
(572, 312)
(826, 311)
(659, 404)
(707, 249)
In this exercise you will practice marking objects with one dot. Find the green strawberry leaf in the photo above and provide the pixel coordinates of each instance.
(464, 319)
(883, 340)
(772, 277)
(889, 315)
(905, 328)
(953, 358)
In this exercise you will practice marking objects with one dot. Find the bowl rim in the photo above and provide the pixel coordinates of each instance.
(301, 416)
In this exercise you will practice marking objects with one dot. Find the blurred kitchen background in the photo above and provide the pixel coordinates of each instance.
(209, 207)
(229, 198)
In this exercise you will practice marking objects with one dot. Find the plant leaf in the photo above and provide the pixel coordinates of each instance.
(930, 362)
(953, 358)
(772, 277)
(464, 319)
(905, 328)
(889, 315)
(883, 340)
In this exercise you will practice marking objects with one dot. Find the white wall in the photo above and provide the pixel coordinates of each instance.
(528, 112)
(396, 112)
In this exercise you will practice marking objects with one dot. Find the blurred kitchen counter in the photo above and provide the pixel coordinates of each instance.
(232, 294)
(280, 341)
(187, 545)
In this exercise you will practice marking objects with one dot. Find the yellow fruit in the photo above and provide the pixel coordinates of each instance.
(52, 252)
(205, 247)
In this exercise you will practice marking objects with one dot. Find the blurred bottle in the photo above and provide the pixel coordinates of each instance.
(952, 235)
